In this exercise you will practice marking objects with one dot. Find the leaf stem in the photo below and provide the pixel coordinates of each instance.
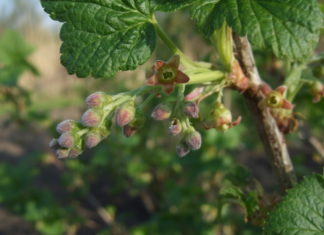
(188, 63)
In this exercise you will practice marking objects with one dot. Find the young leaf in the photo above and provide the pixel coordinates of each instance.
(289, 27)
(101, 38)
(301, 211)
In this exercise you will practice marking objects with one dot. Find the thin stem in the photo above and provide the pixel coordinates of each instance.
(169, 43)
(209, 76)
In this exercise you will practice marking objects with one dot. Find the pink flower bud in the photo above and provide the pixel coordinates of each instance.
(66, 140)
(175, 127)
(97, 99)
(161, 112)
(92, 139)
(193, 140)
(62, 153)
(182, 149)
(90, 118)
(65, 126)
(125, 115)
(75, 152)
(191, 109)
(194, 94)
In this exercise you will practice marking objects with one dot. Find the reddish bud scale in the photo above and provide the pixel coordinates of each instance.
(91, 118)
(193, 140)
(129, 130)
(161, 112)
(191, 109)
(66, 140)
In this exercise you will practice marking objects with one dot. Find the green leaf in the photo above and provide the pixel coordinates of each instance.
(171, 5)
(301, 211)
(101, 38)
(290, 27)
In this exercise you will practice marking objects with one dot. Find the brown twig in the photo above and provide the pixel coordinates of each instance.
(273, 140)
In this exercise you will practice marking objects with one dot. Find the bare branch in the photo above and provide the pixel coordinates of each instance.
(273, 140)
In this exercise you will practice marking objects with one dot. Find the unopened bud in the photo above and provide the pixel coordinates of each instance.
(90, 118)
(125, 114)
(66, 140)
(194, 94)
(92, 139)
(175, 127)
(317, 90)
(191, 109)
(193, 140)
(161, 112)
(222, 115)
(75, 152)
(62, 153)
(65, 126)
(97, 99)
(182, 149)
(129, 130)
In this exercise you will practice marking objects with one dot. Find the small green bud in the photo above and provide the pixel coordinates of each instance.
(222, 39)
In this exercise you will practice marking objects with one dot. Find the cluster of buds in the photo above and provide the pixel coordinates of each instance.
(317, 90)
(180, 125)
(221, 118)
(95, 124)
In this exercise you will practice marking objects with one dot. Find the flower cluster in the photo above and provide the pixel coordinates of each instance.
(179, 114)
(95, 124)
(122, 110)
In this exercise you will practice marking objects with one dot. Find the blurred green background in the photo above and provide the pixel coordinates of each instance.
(137, 185)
